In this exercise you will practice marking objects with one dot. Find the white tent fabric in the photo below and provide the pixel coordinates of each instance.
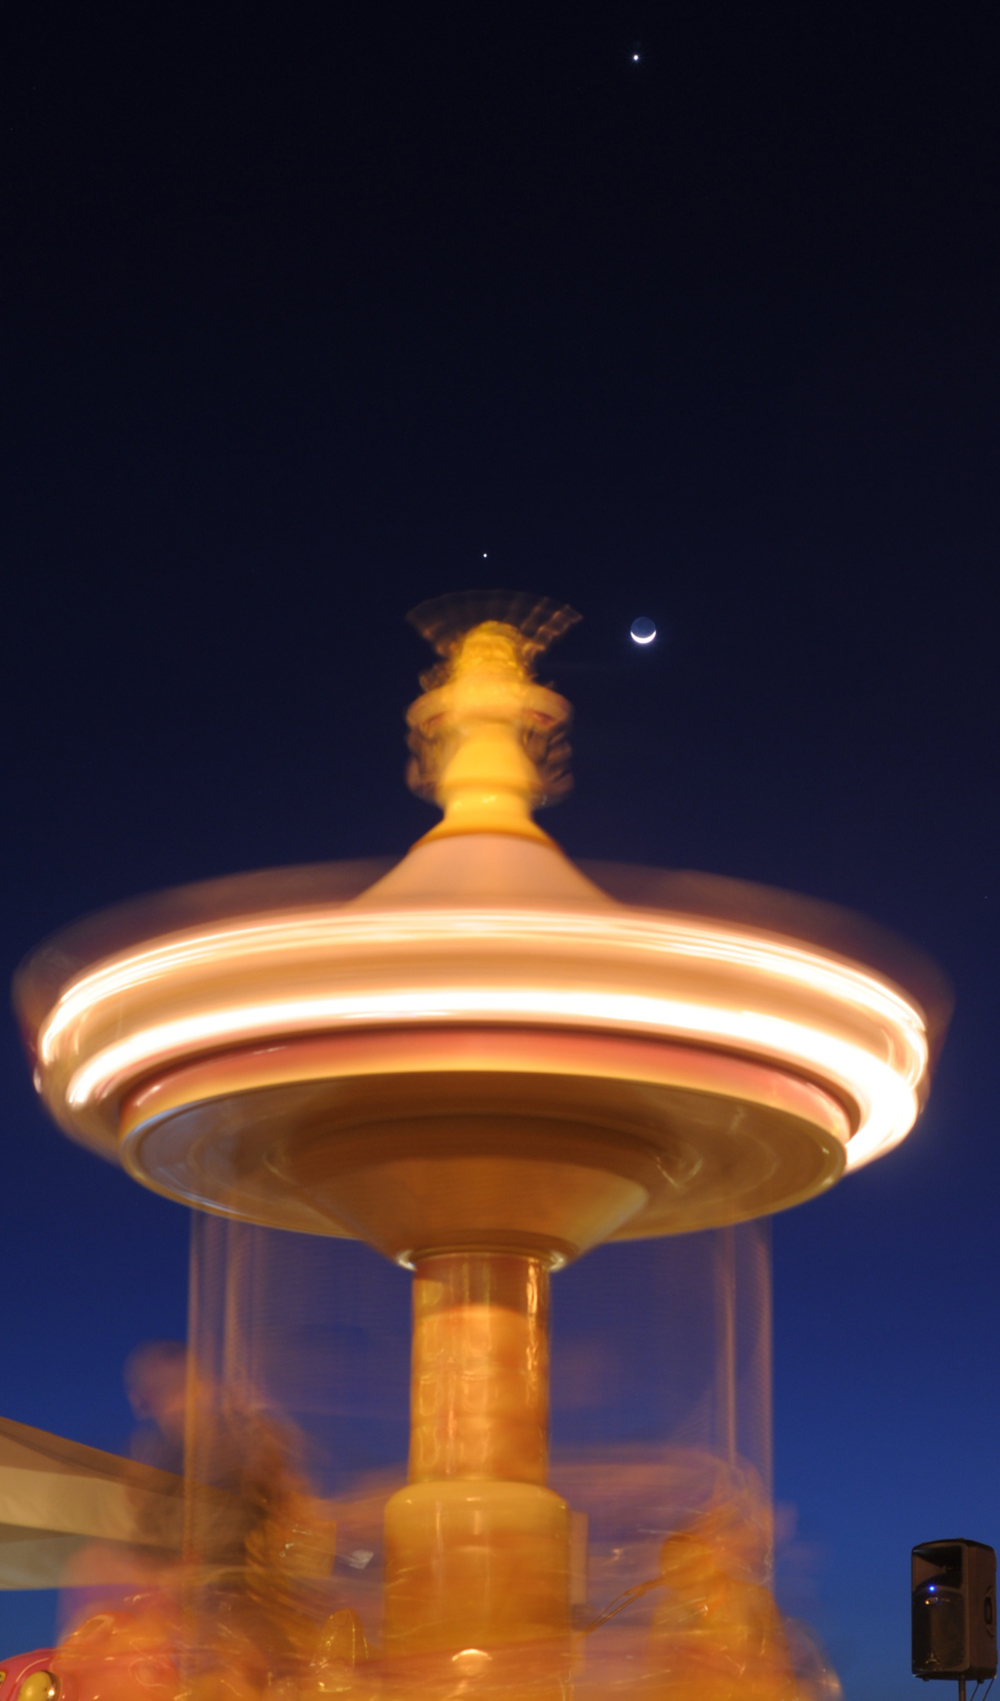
(58, 1496)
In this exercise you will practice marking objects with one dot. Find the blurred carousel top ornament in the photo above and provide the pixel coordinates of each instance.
(482, 1046)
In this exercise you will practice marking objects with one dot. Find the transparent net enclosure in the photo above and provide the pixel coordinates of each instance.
(658, 1438)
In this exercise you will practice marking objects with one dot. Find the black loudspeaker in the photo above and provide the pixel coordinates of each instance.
(954, 1603)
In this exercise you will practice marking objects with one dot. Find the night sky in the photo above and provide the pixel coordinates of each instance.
(309, 312)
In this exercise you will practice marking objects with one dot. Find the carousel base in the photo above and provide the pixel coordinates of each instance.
(457, 1137)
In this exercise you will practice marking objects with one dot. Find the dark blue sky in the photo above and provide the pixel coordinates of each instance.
(305, 308)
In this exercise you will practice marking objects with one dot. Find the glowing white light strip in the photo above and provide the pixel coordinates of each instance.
(886, 1097)
(322, 932)
(365, 941)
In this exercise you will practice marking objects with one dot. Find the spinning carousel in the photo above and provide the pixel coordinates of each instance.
(484, 1064)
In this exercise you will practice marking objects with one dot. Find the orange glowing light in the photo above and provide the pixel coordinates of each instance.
(607, 969)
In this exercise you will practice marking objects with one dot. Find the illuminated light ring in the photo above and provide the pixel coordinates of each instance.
(320, 930)
(888, 1104)
(885, 1090)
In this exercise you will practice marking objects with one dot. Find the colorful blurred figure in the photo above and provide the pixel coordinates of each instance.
(156, 1384)
(247, 1607)
(717, 1633)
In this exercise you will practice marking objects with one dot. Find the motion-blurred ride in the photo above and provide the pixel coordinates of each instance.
(483, 1064)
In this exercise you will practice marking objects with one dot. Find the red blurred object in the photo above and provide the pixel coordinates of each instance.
(14, 1671)
(114, 1656)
